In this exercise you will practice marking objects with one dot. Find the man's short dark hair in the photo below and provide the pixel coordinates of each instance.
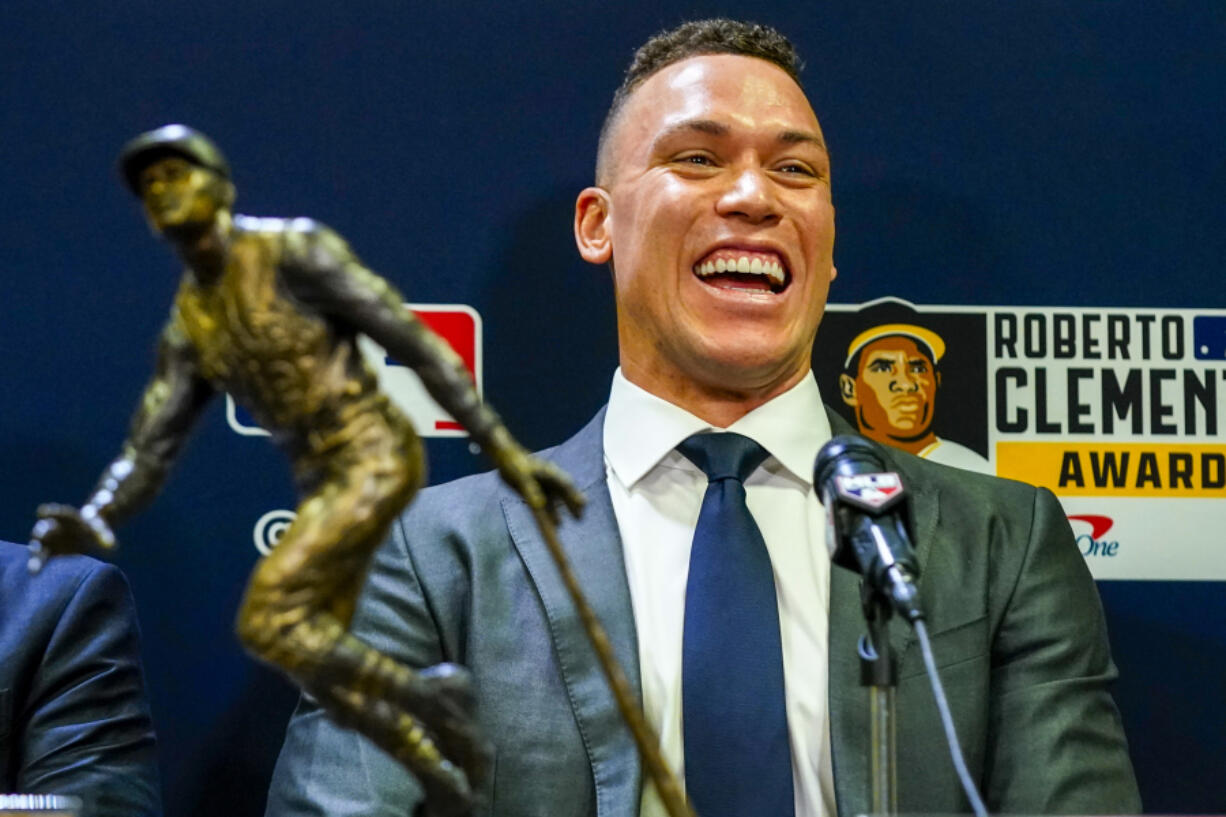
(693, 39)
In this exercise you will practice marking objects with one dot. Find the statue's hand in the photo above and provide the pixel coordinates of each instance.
(542, 484)
(62, 529)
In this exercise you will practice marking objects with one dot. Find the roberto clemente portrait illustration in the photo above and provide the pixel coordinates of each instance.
(891, 380)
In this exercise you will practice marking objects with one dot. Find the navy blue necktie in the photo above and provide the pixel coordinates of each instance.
(738, 761)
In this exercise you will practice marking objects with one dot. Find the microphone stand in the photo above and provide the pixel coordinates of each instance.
(879, 673)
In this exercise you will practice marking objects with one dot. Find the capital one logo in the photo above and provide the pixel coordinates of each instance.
(458, 324)
(1091, 531)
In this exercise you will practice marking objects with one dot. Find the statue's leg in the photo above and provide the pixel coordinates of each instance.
(447, 787)
(301, 597)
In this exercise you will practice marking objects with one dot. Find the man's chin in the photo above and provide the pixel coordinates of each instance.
(743, 371)
(909, 424)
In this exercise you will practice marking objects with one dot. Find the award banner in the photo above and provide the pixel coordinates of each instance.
(1120, 412)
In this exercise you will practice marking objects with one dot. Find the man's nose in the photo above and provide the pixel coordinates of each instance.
(903, 381)
(750, 196)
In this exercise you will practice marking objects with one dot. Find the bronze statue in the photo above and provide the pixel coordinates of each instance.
(270, 311)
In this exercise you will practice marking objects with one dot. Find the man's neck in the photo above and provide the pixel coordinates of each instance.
(721, 406)
(911, 445)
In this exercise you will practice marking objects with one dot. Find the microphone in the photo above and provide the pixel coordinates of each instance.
(866, 531)
(867, 520)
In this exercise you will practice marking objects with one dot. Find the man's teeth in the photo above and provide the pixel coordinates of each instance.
(754, 266)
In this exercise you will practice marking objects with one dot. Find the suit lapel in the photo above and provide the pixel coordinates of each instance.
(924, 509)
(848, 700)
(593, 547)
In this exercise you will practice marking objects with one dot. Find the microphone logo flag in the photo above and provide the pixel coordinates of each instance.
(872, 492)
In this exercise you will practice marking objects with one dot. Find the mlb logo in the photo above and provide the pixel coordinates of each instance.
(872, 492)
(1209, 337)
(458, 324)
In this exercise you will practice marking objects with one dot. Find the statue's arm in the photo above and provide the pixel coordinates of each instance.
(322, 271)
(172, 401)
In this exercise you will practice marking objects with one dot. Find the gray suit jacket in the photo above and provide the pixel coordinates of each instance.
(1016, 625)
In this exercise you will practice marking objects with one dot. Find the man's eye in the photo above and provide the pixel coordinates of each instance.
(798, 168)
(696, 159)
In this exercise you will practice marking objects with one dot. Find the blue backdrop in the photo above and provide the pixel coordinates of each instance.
(1039, 153)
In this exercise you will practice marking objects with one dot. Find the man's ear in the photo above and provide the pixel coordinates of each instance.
(592, 223)
(847, 389)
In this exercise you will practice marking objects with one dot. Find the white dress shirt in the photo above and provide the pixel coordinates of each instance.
(657, 494)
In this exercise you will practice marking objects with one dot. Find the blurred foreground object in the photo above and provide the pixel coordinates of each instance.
(39, 805)
(270, 310)
(74, 713)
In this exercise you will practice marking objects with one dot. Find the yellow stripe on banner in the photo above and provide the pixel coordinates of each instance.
(1116, 469)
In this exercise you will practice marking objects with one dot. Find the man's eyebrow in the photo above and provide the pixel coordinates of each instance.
(798, 137)
(707, 126)
(713, 128)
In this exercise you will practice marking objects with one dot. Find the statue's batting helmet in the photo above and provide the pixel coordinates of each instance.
(169, 140)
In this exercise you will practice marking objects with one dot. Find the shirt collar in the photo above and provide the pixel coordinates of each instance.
(640, 428)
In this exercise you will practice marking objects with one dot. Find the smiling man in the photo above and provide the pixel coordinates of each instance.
(703, 547)
(714, 209)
